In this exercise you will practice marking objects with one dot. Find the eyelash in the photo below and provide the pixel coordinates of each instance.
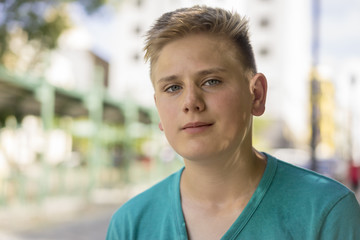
(170, 87)
(206, 83)
(213, 80)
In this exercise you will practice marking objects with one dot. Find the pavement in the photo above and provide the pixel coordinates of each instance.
(90, 223)
(64, 218)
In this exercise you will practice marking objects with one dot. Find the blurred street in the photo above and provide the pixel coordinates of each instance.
(65, 218)
(89, 223)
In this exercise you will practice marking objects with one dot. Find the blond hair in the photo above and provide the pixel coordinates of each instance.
(200, 19)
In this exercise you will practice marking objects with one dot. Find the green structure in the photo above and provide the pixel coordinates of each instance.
(98, 125)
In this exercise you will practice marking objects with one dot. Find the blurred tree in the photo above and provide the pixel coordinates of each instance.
(34, 23)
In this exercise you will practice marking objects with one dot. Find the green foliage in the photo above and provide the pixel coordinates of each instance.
(37, 22)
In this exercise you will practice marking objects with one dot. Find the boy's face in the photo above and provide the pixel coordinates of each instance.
(203, 99)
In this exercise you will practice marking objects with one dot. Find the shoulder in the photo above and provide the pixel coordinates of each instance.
(300, 202)
(317, 193)
(309, 181)
(342, 220)
(151, 200)
(145, 214)
(315, 200)
(302, 188)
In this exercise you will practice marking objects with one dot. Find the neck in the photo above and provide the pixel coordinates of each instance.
(218, 182)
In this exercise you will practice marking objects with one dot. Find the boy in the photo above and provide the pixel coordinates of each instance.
(206, 91)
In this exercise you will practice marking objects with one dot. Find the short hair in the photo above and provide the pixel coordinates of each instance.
(200, 19)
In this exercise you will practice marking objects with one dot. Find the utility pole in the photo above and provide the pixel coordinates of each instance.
(315, 85)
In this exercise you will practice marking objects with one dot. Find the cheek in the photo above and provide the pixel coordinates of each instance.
(167, 111)
(233, 107)
(232, 102)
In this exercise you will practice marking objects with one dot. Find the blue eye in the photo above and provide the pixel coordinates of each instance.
(211, 82)
(173, 88)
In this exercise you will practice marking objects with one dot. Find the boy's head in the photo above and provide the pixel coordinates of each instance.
(201, 19)
(205, 81)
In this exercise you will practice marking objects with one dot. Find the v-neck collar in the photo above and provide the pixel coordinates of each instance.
(245, 215)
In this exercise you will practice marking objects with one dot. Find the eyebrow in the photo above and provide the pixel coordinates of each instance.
(211, 71)
(168, 79)
(199, 74)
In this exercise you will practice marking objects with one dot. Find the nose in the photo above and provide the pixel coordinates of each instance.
(193, 100)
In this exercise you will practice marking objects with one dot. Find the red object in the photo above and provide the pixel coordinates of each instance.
(354, 175)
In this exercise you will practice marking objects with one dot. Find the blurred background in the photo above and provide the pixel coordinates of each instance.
(78, 125)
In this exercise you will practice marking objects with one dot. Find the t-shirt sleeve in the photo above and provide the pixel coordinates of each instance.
(343, 220)
(112, 232)
(119, 226)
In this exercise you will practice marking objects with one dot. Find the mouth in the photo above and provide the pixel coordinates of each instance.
(196, 125)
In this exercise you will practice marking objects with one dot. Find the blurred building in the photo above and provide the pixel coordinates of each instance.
(346, 78)
(326, 147)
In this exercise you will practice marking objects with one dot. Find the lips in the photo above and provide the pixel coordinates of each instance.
(194, 125)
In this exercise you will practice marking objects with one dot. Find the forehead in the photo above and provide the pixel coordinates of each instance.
(199, 49)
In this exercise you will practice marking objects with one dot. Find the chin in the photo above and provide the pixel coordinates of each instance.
(198, 156)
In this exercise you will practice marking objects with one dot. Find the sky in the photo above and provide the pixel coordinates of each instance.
(339, 30)
(99, 26)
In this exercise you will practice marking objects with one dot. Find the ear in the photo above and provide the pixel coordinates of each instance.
(258, 89)
(161, 127)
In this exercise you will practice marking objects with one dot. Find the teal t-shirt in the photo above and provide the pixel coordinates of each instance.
(289, 203)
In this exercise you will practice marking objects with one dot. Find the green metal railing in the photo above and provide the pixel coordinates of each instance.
(98, 169)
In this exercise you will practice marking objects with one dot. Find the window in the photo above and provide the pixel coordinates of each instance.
(264, 51)
(136, 56)
(264, 22)
(137, 29)
(139, 3)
